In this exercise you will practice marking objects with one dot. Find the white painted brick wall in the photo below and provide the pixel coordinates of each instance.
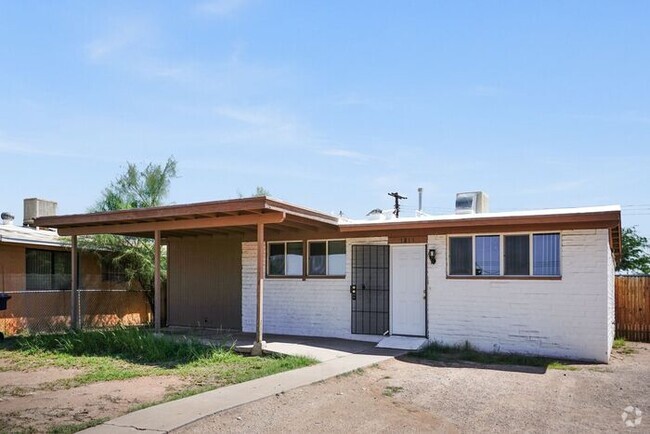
(571, 317)
(611, 300)
(313, 307)
(560, 318)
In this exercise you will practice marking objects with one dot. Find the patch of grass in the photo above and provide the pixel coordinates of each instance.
(14, 429)
(561, 366)
(466, 352)
(128, 343)
(358, 371)
(621, 346)
(392, 390)
(125, 353)
(76, 427)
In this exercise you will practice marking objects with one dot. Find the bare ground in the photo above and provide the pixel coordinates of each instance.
(32, 406)
(411, 395)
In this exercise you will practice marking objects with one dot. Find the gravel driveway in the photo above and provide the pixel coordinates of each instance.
(410, 395)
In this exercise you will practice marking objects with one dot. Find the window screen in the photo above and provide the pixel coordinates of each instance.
(487, 255)
(460, 256)
(517, 255)
(546, 254)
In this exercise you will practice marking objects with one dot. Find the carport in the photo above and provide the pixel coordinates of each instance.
(230, 222)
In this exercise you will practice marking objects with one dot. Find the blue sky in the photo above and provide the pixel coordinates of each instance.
(330, 104)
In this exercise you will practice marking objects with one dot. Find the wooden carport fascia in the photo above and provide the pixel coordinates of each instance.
(171, 225)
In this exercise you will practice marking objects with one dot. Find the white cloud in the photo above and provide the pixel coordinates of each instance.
(220, 8)
(344, 153)
(121, 37)
(18, 148)
(266, 125)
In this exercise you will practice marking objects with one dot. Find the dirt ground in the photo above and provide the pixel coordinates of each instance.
(34, 406)
(410, 395)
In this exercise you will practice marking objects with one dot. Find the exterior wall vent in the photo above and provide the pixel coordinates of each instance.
(34, 208)
(472, 202)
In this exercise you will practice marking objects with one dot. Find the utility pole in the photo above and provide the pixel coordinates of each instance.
(397, 199)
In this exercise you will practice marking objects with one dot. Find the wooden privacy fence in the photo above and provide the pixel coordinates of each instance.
(633, 308)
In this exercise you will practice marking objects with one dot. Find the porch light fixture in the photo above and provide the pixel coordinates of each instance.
(432, 256)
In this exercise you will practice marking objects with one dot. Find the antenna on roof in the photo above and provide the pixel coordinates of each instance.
(397, 199)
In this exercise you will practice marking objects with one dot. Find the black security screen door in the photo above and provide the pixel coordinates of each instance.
(370, 289)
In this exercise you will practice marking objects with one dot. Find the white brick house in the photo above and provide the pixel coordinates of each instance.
(534, 282)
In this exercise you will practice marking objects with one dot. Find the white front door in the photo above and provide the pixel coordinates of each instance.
(408, 289)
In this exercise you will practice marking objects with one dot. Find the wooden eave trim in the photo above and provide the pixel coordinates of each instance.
(306, 215)
(175, 225)
(254, 205)
(595, 220)
(301, 211)
(173, 211)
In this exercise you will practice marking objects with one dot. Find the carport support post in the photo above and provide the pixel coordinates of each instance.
(156, 281)
(259, 336)
(74, 285)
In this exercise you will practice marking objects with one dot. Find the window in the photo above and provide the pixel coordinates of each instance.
(460, 256)
(487, 255)
(285, 259)
(517, 255)
(327, 258)
(47, 270)
(546, 254)
(505, 255)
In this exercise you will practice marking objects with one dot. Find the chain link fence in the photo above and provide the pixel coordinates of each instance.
(101, 304)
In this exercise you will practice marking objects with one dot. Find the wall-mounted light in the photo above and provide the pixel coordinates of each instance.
(432, 256)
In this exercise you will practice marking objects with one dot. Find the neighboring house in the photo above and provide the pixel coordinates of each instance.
(36, 271)
(38, 259)
(534, 282)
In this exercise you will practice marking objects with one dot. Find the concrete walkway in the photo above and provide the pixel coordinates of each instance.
(337, 357)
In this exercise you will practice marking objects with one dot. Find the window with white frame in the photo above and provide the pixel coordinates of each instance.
(326, 258)
(505, 255)
(285, 259)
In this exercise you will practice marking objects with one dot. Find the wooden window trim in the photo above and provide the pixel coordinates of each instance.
(502, 276)
(327, 265)
(268, 262)
(305, 261)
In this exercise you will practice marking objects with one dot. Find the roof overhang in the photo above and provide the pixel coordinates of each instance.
(597, 218)
(31, 242)
(287, 221)
(236, 216)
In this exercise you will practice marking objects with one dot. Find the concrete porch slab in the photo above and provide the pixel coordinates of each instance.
(321, 349)
(402, 343)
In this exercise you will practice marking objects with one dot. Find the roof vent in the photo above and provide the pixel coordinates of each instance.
(472, 202)
(34, 208)
(7, 218)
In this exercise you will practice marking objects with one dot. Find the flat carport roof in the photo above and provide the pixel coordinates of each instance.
(224, 217)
